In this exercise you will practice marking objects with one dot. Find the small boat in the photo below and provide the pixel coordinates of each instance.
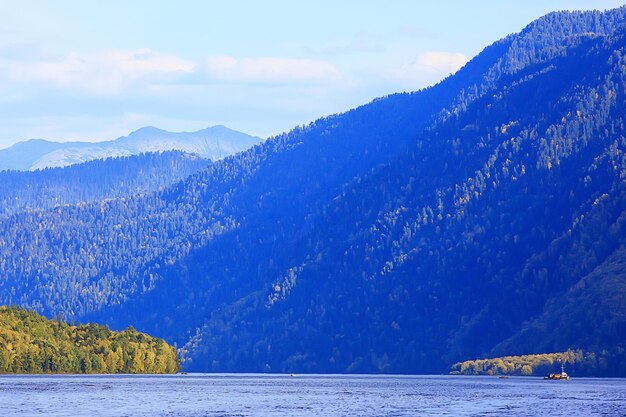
(562, 376)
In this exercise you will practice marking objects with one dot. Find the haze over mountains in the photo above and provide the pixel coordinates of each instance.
(212, 143)
(485, 215)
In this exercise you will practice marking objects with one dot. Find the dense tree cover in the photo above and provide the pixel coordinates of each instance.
(416, 231)
(67, 246)
(591, 311)
(94, 181)
(29, 343)
(577, 363)
(499, 208)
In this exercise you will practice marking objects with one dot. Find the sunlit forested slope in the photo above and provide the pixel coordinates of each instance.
(29, 343)
(402, 236)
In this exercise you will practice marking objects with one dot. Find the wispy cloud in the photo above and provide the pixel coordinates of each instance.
(104, 72)
(269, 70)
(428, 68)
(113, 71)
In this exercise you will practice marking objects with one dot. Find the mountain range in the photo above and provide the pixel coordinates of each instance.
(212, 143)
(483, 216)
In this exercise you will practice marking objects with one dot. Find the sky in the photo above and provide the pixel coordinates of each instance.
(96, 70)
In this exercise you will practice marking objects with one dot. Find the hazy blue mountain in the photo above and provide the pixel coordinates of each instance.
(213, 143)
(23, 155)
(402, 236)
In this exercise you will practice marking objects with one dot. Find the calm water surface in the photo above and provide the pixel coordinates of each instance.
(307, 395)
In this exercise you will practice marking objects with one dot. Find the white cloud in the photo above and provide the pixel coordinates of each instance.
(269, 70)
(104, 72)
(428, 68)
(113, 71)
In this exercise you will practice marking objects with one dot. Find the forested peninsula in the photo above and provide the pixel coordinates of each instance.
(604, 363)
(30, 343)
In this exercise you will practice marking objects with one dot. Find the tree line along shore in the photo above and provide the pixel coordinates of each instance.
(578, 363)
(30, 343)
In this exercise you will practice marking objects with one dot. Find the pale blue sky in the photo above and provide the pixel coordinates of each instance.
(96, 70)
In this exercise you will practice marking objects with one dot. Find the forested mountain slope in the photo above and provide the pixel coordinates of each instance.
(498, 209)
(95, 180)
(402, 236)
(592, 311)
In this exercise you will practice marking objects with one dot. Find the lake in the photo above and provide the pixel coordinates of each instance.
(306, 395)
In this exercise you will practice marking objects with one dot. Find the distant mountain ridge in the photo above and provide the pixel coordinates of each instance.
(214, 143)
(101, 179)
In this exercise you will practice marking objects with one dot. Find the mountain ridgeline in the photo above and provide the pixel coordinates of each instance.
(212, 143)
(482, 216)
(94, 181)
